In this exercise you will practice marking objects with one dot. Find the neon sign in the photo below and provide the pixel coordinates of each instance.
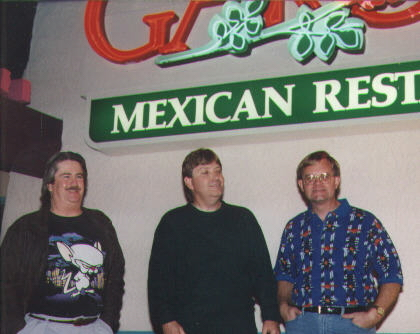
(315, 31)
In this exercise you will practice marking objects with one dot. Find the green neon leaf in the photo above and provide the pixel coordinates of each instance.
(254, 26)
(325, 47)
(238, 43)
(253, 8)
(350, 39)
(233, 13)
(301, 46)
(218, 28)
(336, 19)
(221, 30)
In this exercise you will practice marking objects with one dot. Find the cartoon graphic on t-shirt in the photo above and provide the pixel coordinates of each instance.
(87, 259)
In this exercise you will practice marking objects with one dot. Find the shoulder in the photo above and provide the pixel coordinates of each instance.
(28, 225)
(300, 217)
(362, 214)
(346, 208)
(239, 210)
(29, 219)
(175, 216)
(97, 216)
(94, 213)
(177, 212)
(239, 216)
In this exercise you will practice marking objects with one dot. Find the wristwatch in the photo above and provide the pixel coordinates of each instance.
(380, 310)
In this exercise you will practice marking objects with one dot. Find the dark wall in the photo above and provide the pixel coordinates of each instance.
(16, 21)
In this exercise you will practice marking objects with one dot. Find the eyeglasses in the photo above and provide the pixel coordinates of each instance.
(311, 178)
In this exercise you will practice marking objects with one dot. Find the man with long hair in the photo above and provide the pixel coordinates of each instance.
(62, 266)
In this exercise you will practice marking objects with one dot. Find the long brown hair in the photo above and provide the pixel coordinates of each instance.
(51, 169)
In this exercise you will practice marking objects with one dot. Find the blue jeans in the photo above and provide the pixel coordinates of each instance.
(313, 323)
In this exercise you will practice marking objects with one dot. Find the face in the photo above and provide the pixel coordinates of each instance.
(206, 184)
(322, 187)
(68, 187)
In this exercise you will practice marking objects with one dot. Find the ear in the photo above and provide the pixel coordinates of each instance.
(337, 181)
(65, 251)
(300, 184)
(49, 186)
(98, 246)
(188, 183)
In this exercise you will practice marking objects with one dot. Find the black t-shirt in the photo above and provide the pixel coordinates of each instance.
(74, 280)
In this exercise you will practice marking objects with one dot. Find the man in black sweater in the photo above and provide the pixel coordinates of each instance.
(209, 263)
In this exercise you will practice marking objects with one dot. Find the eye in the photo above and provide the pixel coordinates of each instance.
(309, 178)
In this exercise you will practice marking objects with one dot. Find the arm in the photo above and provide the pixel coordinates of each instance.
(114, 271)
(387, 265)
(285, 271)
(12, 300)
(284, 297)
(265, 283)
(387, 297)
(161, 281)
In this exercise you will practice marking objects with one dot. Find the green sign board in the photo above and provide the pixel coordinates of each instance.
(336, 95)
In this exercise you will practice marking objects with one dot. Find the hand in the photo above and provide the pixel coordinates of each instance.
(367, 319)
(270, 327)
(288, 312)
(172, 327)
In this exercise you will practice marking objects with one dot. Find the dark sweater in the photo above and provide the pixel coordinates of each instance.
(210, 267)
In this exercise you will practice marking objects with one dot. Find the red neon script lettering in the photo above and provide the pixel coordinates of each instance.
(160, 25)
(95, 32)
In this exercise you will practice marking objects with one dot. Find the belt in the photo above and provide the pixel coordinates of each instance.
(333, 309)
(81, 321)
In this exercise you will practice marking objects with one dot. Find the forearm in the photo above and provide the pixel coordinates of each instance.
(388, 296)
(161, 284)
(284, 292)
(266, 295)
(114, 288)
(284, 297)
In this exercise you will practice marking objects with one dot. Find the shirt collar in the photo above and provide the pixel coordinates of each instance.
(342, 210)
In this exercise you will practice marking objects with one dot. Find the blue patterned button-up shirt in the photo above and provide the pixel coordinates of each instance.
(340, 261)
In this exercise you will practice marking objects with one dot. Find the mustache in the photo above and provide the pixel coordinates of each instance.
(74, 188)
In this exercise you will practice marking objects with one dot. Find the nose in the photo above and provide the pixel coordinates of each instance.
(73, 180)
(215, 176)
(317, 179)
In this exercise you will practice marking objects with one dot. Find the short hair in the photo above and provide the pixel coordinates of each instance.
(198, 157)
(317, 156)
(51, 168)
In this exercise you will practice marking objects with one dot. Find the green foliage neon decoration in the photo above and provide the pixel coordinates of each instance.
(312, 32)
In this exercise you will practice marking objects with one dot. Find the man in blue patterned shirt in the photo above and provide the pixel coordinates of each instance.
(337, 268)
